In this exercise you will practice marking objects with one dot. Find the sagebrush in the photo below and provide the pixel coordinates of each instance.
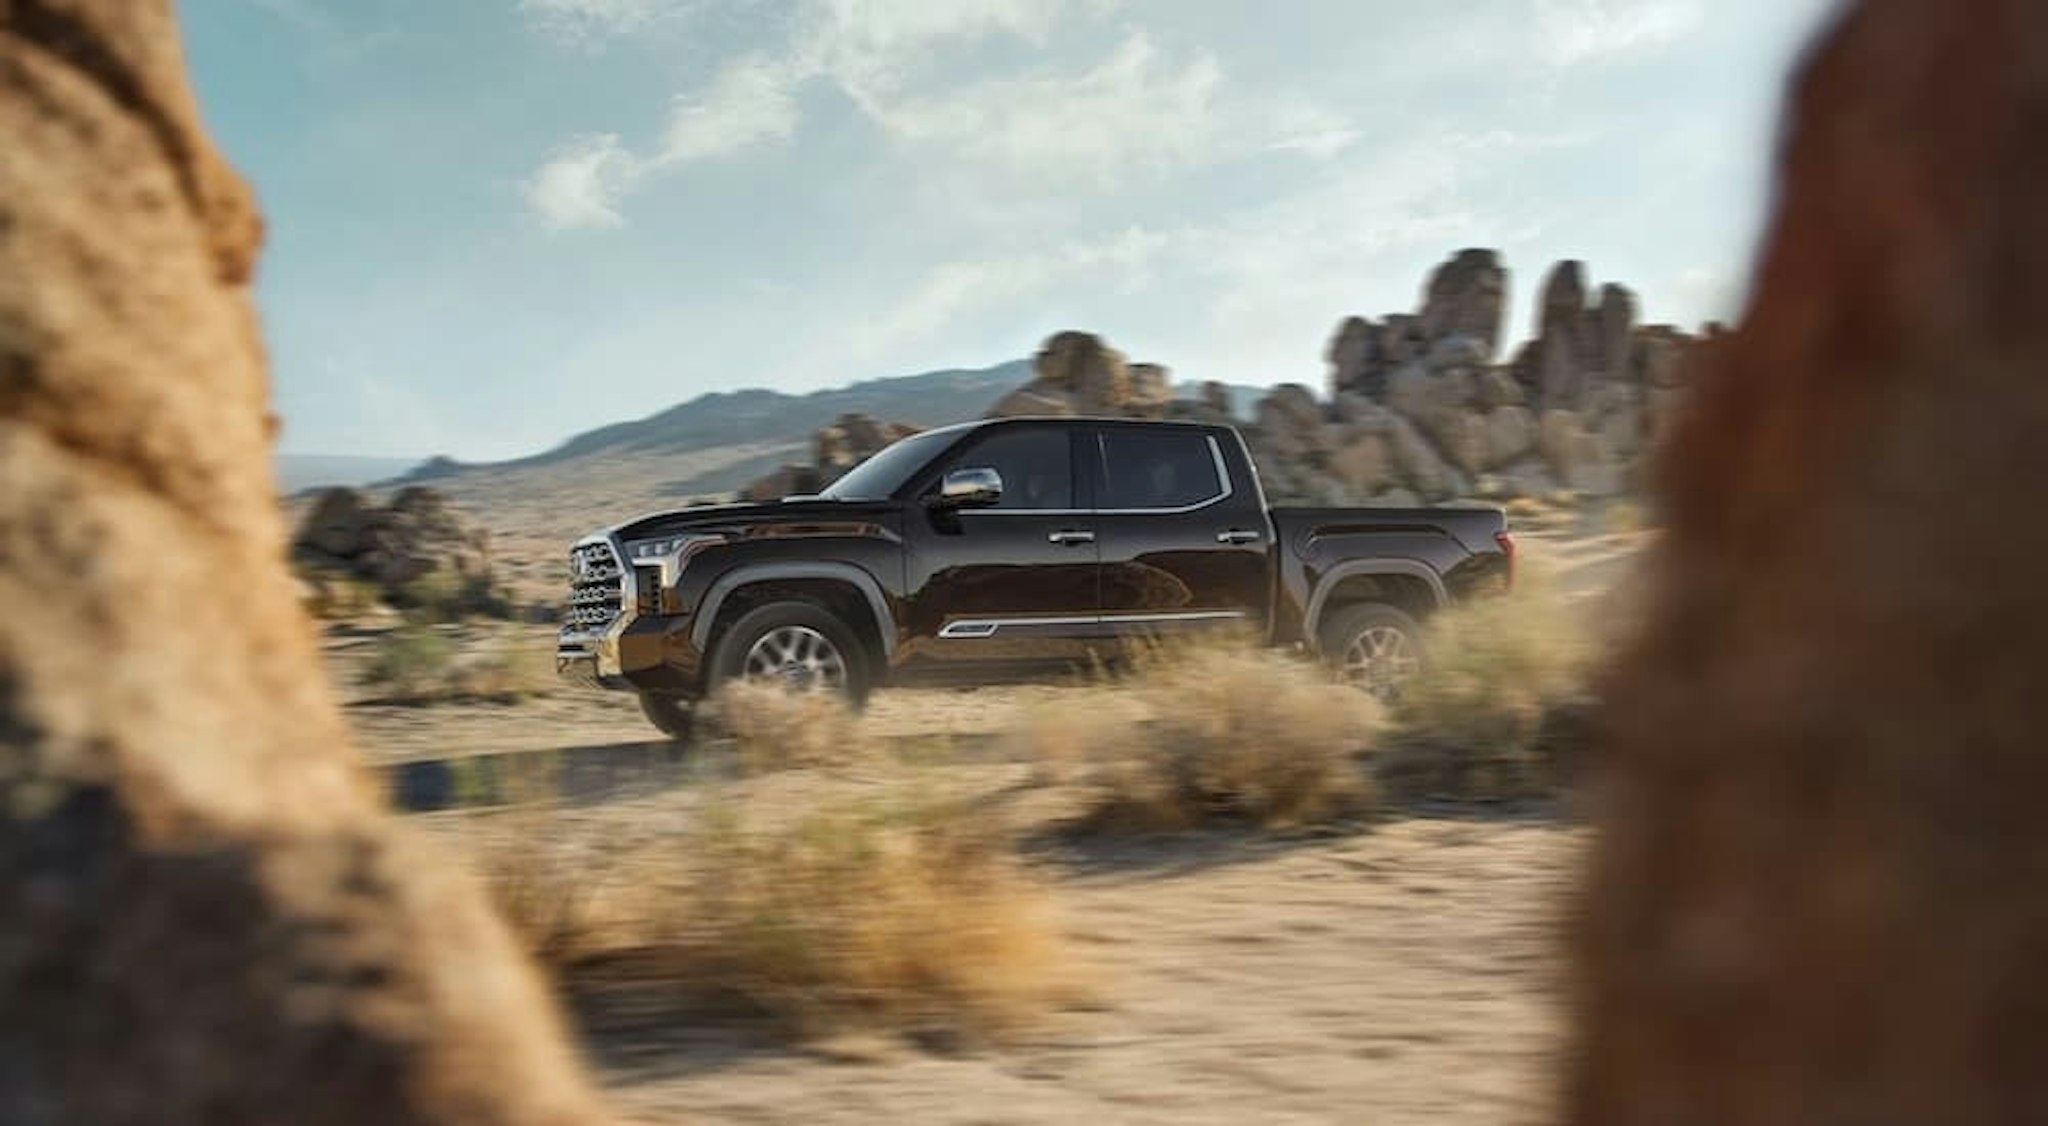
(1232, 734)
(897, 911)
(1499, 671)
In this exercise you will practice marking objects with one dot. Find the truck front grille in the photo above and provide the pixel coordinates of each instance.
(597, 593)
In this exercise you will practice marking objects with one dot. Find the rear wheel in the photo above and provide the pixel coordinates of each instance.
(799, 645)
(1374, 647)
(672, 715)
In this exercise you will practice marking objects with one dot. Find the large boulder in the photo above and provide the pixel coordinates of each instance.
(1032, 401)
(1615, 322)
(1466, 297)
(1560, 439)
(1362, 463)
(1353, 355)
(1498, 388)
(1150, 389)
(1079, 363)
(1417, 464)
(210, 915)
(393, 545)
(1510, 435)
(1814, 888)
(1076, 373)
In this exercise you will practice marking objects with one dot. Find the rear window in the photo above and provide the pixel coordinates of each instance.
(1158, 469)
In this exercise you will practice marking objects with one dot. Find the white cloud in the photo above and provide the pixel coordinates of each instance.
(582, 183)
(751, 102)
(1570, 32)
(1132, 109)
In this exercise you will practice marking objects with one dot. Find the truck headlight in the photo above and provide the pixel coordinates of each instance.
(668, 553)
(653, 551)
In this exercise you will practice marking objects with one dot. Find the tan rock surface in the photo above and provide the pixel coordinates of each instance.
(210, 918)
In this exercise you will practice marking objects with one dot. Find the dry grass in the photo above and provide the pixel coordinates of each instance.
(420, 665)
(890, 911)
(904, 914)
(1473, 723)
(1237, 735)
(777, 729)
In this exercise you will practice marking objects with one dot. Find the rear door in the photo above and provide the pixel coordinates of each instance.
(1014, 583)
(1183, 546)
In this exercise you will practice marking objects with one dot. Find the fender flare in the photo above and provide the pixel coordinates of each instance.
(747, 574)
(1407, 568)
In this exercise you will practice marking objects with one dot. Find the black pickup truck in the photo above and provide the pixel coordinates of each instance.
(991, 550)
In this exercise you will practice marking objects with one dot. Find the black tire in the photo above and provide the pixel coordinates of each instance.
(673, 715)
(1391, 643)
(732, 650)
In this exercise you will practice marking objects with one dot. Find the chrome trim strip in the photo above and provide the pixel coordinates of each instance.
(967, 629)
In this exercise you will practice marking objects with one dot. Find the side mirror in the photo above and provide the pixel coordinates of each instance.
(974, 487)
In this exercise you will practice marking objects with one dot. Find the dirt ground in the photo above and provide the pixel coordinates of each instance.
(1394, 974)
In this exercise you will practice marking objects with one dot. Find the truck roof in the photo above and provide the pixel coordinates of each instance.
(1092, 420)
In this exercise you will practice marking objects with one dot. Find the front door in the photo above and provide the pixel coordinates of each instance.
(1013, 584)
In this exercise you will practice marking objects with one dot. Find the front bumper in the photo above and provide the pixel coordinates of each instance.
(585, 670)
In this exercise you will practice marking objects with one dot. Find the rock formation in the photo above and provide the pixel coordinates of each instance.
(1816, 890)
(1075, 373)
(1420, 411)
(209, 915)
(835, 449)
(394, 547)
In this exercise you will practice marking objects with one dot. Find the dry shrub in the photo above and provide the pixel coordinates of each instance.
(1239, 735)
(775, 728)
(1474, 723)
(444, 596)
(412, 663)
(544, 880)
(903, 914)
(419, 664)
(899, 913)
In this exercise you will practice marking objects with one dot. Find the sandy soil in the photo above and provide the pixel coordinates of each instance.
(1396, 975)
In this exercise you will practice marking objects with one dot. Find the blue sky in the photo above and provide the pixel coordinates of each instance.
(495, 223)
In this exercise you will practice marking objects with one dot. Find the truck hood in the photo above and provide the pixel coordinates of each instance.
(714, 517)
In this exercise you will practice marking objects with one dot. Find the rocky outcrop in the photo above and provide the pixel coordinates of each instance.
(1459, 324)
(1815, 890)
(1076, 373)
(1422, 394)
(210, 917)
(415, 541)
(835, 450)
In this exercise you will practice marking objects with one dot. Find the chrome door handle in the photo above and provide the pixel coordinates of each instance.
(1237, 535)
(1071, 537)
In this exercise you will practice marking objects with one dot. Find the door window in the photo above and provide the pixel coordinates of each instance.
(1036, 464)
(1158, 469)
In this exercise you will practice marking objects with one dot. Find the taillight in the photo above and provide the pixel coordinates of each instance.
(1507, 550)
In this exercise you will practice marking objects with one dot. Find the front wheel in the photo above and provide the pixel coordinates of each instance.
(673, 716)
(1374, 647)
(799, 645)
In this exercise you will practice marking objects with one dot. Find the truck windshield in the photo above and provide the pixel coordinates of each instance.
(880, 476)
